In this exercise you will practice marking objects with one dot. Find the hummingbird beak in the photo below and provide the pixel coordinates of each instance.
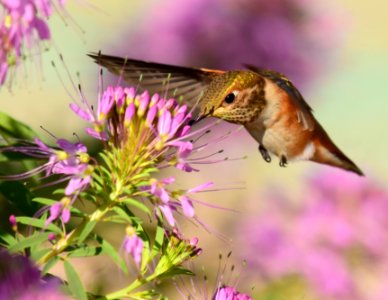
(200, 117)
(197, 119)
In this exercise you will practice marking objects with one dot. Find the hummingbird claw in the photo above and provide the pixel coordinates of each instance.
(283, 161)
(264, 153)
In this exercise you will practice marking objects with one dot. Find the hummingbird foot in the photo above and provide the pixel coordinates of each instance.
(283, 161)
(264, 153)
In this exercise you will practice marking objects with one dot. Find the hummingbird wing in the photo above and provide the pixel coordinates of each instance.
(183, 83)
(304, 111)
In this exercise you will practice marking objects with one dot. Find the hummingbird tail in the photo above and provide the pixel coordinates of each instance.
(328, 153)
(336, 159)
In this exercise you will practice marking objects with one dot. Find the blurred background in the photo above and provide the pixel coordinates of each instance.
(306, 231)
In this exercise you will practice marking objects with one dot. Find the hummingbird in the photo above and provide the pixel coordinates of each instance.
(265, 102)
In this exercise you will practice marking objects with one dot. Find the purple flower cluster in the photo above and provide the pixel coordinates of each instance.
(229, 293)
(22, 26)
(70, 160)
(143, 125)
(154, 123)
(147, 130)
(20, 279)
(168, 202)
(337, 234)
(197, 289)
(290, 36)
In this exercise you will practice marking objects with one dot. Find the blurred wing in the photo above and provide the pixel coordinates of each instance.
(183, 83)
(304, 112)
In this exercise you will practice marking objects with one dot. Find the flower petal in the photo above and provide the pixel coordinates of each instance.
(167, 212)
(187, 206)
(164, 123)
(87, 116)
(200, 187)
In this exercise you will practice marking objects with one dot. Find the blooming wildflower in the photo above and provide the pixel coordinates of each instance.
(60, 210)
(144, 127)
(200, 290)
(169, 201)
(177, 250)
(124, 117)
(285, 35)
(330, 239)
(229, 293)
(20, 279)
(23, 24)
(133, 245)
(71, 160)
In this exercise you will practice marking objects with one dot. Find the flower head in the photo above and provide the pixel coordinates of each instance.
(23, 24)
(60, 210)
(70, 160)
(133, 245)
(284, 35)
(221, 291)
(338, 229)
(169, 201)
(20, 279)
(177, 251)
(142, 127)
(229, 293)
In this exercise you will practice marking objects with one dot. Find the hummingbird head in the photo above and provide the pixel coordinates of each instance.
(234, 96)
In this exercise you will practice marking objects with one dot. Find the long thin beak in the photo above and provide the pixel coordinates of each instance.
(198, 119)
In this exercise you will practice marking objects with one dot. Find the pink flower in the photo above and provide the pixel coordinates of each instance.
(284, 35)
(133, 245)
(21, 279)
(340, 218)
(23, 24)
(72, 161)
(222, 291)
(59, 210)
(169, 202)
(187, 202)
(229, 293)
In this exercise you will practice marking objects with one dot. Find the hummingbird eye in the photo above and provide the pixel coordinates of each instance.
(229, 99)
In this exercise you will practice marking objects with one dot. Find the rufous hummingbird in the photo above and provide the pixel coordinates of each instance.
(265, 102)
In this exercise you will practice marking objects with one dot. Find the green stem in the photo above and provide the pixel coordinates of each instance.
(64, 242)
(134, 285)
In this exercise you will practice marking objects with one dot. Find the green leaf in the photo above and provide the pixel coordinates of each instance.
(51, 263)
(59, 192)
(145, 173)
(125, 214)
(174, 271)
(18, 196)
(38, 223)
(122, 214)
(136, 203)
(44, 201)
(10, 127)
(144, 295)
(33, 240)
(159, 238)
(86, 231)
(75, 284)
(108, 249)
(85, 251)
(35, 256)
(7, 238)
